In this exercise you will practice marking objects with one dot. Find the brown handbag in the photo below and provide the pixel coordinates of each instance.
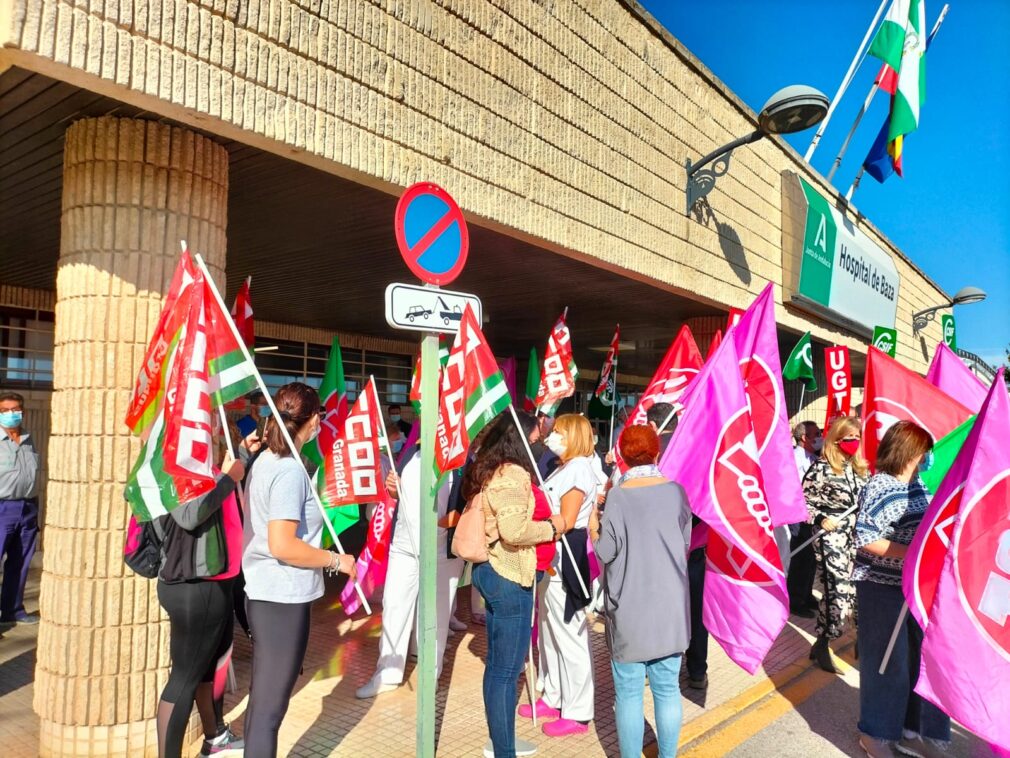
(471, 538)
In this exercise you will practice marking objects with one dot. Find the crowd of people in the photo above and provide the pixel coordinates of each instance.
(552, 506)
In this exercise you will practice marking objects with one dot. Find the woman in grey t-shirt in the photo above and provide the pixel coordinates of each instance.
(283, 565)
(642, 545)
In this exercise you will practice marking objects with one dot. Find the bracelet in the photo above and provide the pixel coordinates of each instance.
(334, 566)
(554, 531)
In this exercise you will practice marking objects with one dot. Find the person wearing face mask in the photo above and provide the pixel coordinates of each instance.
(565, 659)
(393, 414)
(891, 507)
(283, 565)
(831, 487)
(19, 508)
(808, 443)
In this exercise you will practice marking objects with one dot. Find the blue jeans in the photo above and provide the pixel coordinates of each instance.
(887, 701)
(19, 531)
(629, 687)
(509, 623)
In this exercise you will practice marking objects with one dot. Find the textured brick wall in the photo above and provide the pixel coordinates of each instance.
(131, 190)
(566, 121)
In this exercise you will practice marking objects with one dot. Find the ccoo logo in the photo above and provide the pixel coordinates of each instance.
(760, 385)
(982, 562)
(737, 488)
(929, 561)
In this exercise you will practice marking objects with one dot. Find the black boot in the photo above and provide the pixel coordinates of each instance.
(820, 652)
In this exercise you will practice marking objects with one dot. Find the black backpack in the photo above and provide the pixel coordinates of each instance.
(142, 551)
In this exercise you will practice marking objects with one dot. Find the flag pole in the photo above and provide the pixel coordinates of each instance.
(894, 638)
(846, 80)
(855, 184)
(666, 421)
(803, 390)
(564, 537)
(273, 410)
(822, 532)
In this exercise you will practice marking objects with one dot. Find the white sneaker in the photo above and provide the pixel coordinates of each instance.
(523, 748)
(372, 688)
(456, 625)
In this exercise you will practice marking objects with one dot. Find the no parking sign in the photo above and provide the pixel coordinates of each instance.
(431, 233)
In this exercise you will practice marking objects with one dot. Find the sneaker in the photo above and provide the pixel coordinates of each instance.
(28, 618)
(564, 727)
(875, 748)
(698, 684)
(920, 748)
(523, 748)
(544, 711)
(456, 625)
(222, 743)
(372, 688)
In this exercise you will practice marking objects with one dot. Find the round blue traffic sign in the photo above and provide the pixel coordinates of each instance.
(431, 233)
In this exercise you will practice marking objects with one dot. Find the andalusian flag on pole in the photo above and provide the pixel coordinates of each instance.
(205, 369)
(800, 363)
(901, 44)
(532, 382)
(473, 393)
(333, 394)
(606, 388)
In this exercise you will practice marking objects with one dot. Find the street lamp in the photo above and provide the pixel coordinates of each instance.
(791, 109)
(964, 296)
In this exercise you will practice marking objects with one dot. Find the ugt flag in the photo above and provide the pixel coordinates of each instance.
(473, 393)
(353, 469)
(606, 388)
(966, 647)
(557, 379)
(894, 393)
(714, 456)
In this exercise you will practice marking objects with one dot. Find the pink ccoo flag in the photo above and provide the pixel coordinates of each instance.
(947, 372)
(966, 648)
(714, 456)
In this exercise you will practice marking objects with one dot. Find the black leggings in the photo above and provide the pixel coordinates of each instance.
(201, 633)
(280, 636)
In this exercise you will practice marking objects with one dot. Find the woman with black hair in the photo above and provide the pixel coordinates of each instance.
(501, 474)
(283, 565)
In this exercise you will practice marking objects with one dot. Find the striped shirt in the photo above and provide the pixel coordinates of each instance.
(889, 509)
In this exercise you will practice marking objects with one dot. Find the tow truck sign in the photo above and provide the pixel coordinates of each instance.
(428, 309)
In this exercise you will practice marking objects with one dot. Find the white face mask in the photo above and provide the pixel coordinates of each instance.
(556, 444)
(818, 444)
(314, 433)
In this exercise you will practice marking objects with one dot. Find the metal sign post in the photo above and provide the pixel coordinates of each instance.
(433, 240)
(427, 621)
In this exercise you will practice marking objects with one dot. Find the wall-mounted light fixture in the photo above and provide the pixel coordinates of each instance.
(964, 296)
(791, 109)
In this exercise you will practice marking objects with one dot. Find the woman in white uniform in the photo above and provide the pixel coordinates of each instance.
(566, 664)
(399, 599)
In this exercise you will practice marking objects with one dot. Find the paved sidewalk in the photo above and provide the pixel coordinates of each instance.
(325, 719)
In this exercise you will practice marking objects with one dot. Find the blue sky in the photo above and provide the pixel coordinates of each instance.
(951, 211)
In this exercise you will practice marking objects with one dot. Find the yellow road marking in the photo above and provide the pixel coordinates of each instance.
(737, 729)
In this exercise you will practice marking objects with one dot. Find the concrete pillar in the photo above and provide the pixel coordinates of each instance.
(131, 190)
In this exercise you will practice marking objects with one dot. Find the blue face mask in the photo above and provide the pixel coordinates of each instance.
(264, 411)
(397, 445)
(10, 419)
(927, 462)
(394, 417)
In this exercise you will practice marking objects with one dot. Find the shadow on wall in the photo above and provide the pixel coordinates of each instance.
(729, 240)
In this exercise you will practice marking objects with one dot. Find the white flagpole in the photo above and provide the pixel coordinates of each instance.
(803, 390)
(273, 410)
(564, 538)
(846, 80)
(894, 638)
(852, 131)
(822, 532)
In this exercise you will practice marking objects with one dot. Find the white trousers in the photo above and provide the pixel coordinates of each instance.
(399, 611)
(566, 663)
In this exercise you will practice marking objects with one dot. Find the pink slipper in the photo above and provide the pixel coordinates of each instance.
(564, 727)
(544, 711)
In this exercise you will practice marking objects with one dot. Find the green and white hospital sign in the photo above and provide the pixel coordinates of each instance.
(833, 266)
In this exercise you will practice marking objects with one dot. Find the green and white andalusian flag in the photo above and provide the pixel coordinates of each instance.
(890, 38)
(901, 44)
(333, 395)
